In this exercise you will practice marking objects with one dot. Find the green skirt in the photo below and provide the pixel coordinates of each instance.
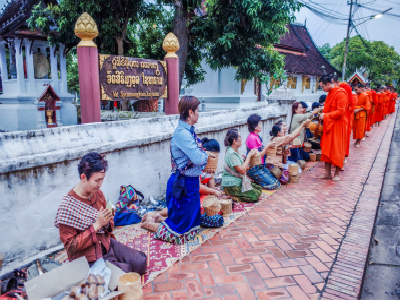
(249, 196)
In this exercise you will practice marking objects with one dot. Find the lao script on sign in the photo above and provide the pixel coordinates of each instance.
(127, 78)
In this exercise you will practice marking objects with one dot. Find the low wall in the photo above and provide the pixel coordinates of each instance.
(37, 168)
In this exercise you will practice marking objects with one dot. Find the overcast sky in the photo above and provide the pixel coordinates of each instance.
(385, 29)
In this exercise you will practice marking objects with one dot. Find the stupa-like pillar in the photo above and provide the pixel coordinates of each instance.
(88, 67)
(171, 45)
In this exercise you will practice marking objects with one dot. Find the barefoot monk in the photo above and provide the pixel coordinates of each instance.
(360, 114)
(333, 143)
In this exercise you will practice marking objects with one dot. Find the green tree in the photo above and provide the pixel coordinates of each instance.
(377, 60)
(223, 33)
(325, 51)
(230, 33)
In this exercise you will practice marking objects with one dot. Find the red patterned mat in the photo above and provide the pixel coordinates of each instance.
(162, 255)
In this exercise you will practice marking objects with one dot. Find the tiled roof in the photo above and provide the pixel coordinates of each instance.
(302, 55)
(15, 14)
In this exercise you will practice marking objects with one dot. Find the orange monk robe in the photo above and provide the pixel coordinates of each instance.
(386, 101)
(373, 107)
(394, 102)
(333, 141)
(361, 117)
(349, 114)
(379, 108)
(368, 121)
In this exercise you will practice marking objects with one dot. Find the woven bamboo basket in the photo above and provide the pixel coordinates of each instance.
(294, 178)
(276, 171)
(318, 157)
(226, 206)
(307, 147)
(211, 205)
(294, 169)
(302, 164)
(255, 160)
(313, 157)
(212, 162)
(130, 284)
(296, 142)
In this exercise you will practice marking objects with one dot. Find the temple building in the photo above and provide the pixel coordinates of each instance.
(304, 65)
(33, 73)
(356, 78)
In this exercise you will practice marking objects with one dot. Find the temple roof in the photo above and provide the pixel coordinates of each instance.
(15, 13)
(302, 55)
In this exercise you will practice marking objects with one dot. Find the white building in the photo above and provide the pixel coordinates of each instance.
(304, 65)
(29, 66)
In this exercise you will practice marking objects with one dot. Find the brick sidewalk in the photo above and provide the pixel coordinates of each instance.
(308, 240)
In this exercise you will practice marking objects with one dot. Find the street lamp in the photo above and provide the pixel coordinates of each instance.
(349, 30)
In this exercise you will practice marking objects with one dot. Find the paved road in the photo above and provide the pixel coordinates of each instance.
(382, 276)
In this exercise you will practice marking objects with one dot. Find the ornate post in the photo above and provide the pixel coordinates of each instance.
(171, 45)
(88, 67)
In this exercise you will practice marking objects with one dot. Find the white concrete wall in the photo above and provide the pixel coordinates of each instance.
(37, 168)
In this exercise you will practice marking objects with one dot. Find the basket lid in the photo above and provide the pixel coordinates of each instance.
(210, 201)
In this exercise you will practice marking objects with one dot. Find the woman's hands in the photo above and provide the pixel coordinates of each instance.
(305, 123)
(317, 110)
(252, 152)
(103, 218)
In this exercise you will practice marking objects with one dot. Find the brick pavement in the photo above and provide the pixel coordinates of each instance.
(308, 241)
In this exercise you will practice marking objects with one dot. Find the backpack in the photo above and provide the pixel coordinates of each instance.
(126, 211)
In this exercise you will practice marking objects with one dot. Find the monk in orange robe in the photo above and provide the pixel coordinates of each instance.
(333, 141)
(368, 123)
(379, 108)
(386, 101)
(360, 114)
(351, 103)
(373, 107)
(394, 100)
(349, 109)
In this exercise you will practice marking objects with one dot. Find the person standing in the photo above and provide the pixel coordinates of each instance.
(360, 114)
(379, 106)
(333, 142)
(188, 160)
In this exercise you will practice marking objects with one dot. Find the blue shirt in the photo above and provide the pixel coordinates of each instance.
(184, 149)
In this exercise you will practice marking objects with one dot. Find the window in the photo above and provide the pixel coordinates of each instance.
(306, 83)
(274, 82)
(292, 82)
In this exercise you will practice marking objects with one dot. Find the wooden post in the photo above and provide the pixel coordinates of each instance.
(171, 45)
(88, 68)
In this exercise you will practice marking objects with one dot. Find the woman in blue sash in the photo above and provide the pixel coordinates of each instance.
(188, 160)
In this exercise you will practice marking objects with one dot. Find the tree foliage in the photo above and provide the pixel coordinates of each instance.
(325, 51)
(377, 60)
(223, 33)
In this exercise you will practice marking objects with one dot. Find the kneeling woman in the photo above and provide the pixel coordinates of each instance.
(234, 179)
(276, 159)
(207, 184)
(260, 174)
(183, 188)
(86, 225)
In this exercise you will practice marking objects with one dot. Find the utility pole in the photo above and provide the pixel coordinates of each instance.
(347, 42)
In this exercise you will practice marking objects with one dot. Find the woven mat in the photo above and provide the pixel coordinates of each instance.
(162, 255)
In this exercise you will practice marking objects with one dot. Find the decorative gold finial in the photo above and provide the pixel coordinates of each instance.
(170, 45)
(86, 29)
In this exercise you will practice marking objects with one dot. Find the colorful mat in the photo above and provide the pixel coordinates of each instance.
(162, 255)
